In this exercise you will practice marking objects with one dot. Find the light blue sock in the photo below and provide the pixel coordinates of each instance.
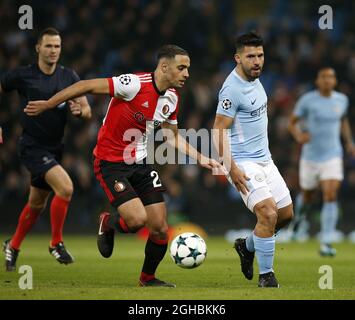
(264, 250)
(249, 241)
(329, 219)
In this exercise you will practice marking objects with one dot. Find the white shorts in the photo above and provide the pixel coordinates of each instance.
(265, 182)
(311, 173)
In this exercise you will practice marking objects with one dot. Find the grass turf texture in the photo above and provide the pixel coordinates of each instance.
(219, 277)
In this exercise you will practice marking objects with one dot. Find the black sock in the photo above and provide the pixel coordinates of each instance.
(154, 253)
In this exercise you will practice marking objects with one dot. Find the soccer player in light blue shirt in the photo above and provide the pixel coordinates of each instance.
(242, 108)
(322, 113)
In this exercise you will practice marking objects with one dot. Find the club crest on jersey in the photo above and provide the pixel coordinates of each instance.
(139, 116)
(226, 104)
(119, 186)
(125, 79)
(260, 177)
(337, 109)
(157, 123)
(166, 109)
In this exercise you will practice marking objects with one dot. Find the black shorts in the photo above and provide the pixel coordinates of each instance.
(123, 182)
(38, 159)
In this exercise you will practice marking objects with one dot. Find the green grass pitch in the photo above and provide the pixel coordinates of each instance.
(219, 277)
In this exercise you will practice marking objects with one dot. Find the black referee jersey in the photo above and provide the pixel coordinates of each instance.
(46, 129)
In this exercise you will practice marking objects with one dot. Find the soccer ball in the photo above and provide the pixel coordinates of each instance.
(188, 250)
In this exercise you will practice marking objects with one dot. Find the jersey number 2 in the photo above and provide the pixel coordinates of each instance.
(156, 182)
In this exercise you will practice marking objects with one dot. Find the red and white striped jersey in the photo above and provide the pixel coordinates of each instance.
(141, 102)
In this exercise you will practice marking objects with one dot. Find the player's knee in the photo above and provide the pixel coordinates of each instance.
(330, 196)
(37, 204)
(65, 191)
(39, 207)
(160, 231)
(136, 223)
(266, 213)
(163, 232)
(307, 197)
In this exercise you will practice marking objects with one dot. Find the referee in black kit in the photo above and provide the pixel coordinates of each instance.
(40, 145)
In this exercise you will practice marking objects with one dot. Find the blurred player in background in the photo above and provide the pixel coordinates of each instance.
(242, 107)
(40, 145)
(323, 114)
(132, 186)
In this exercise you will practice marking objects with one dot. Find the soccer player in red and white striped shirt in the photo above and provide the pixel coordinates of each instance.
(132, 186)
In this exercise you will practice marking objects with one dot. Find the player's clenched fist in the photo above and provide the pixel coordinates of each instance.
(75, 107)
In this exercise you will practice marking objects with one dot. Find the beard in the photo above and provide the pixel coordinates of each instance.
(252, 74)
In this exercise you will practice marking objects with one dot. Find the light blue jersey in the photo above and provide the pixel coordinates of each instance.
(246, 102)
(322, 118)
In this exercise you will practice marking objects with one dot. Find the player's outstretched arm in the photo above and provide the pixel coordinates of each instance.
(221, 142)
(78, 89)
(173, 137)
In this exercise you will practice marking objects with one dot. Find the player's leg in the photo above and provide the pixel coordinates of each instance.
(329, 215)
(156, 245)
(281, 196)
(309, 180)
(303, 207)
(264, 235)
(130, 214)
(284, 216)
(58, 179)
(264, 241)
(36, 203)
(150, 190)
(272, 214)
(331, 175)
(245, 247)
(130, 217)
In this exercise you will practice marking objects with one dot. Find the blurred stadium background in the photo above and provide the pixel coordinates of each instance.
(105, 38)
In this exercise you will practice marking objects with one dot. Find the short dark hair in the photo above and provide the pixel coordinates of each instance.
(50, 31)
(170, 51)
(251, 39)
(325, 67)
